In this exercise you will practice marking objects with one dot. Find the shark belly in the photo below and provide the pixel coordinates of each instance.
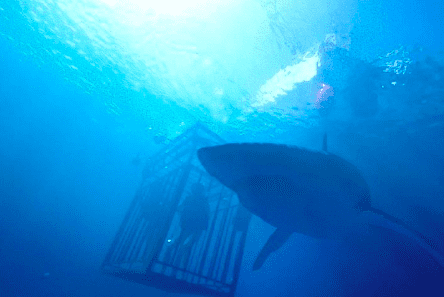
(320, 211)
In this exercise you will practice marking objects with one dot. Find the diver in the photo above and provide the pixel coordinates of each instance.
(194, 219)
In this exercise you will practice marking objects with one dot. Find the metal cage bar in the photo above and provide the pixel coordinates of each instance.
(145, 248)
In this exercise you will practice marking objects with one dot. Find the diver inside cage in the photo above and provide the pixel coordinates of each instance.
(194, 219)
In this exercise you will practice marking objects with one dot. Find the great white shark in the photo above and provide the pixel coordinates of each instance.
(294, 189)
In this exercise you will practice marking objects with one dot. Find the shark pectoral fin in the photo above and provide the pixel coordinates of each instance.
(379, 218)
(274, 242)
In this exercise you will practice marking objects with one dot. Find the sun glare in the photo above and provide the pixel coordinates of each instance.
(166, 7)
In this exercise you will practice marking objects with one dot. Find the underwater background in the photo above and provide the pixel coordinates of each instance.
(90, 89)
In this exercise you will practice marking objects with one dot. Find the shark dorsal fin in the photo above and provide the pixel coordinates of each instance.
(324, 142)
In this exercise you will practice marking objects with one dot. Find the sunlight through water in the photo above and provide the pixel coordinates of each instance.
(166, 7)
(224, 61)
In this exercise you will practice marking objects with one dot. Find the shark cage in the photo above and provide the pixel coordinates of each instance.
(149, 249)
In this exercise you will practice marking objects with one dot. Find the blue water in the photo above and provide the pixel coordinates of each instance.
(79, 103)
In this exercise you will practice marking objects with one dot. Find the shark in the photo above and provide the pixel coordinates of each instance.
(298, 190)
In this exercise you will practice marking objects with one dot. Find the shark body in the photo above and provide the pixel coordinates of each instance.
(294, 189)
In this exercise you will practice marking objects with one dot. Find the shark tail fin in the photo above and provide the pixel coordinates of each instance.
(274, 242)
(379, 218)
